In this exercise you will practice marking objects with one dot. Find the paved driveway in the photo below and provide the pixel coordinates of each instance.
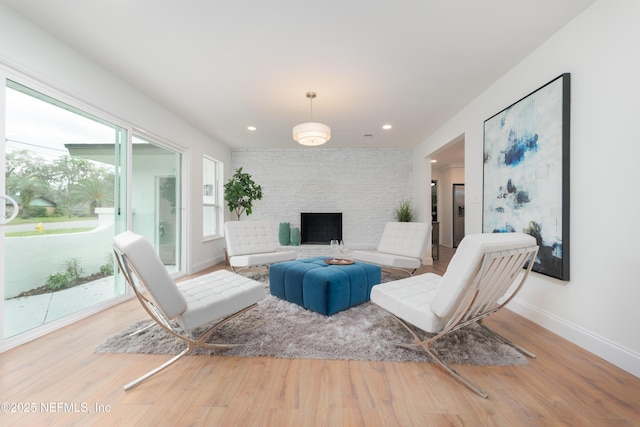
(51, 225)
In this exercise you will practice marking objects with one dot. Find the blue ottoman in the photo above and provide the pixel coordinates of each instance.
(321, 287)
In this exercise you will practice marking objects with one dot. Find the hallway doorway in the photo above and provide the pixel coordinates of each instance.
(447, 169)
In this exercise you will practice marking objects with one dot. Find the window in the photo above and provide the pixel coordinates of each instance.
(211, 198)
(79, 177)
(60, 162)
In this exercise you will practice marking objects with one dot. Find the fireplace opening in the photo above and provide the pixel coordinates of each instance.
(320, 228)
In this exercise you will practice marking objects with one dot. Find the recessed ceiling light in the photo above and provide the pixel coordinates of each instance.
(434, 161)
(386, 127)
(251, 128)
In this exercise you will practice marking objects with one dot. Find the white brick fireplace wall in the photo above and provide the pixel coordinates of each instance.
(365, 185)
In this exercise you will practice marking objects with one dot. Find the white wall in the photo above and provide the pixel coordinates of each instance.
(45, 255)
(598, 308)
(27, 49)
(365, 185)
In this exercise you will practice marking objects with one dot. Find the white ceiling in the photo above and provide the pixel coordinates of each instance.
(225, 64)
(452, 155)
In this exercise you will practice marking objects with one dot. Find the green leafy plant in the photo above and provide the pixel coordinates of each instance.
(405, 212)
(57, 281)
(107, 269)
(74, 271)
(240, 192)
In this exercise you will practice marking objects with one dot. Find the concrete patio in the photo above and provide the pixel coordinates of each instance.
(25, 313)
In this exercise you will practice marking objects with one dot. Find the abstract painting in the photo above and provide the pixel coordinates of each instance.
(526, 173)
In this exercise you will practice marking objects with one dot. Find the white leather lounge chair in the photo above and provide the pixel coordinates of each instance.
(211, 299)
(253, 243)
(402, 246)
(485, 273)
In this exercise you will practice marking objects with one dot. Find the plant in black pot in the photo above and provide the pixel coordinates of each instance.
(240, 192)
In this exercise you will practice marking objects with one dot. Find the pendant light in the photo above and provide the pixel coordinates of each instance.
(311, 133)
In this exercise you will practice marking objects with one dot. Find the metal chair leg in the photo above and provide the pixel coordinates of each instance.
(425, 345)
(141, 330)
(480, 392)
(149, 374)
(421, 346)
(506, 341)
(192, 344)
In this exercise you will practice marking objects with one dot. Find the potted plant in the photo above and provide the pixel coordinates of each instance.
(405, 212)
(240, 192)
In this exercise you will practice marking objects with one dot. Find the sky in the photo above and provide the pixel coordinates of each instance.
(44, 128)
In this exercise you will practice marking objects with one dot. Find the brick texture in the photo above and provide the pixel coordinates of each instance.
(366, 185)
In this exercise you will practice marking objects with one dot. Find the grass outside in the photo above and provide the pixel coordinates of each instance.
(49, 229)
(43, 232)
(47, 219)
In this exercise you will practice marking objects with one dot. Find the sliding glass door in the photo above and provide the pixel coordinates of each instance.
(156, 198)
(70, 179)
(60, 173)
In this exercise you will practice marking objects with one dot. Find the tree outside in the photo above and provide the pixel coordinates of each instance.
(77, 186)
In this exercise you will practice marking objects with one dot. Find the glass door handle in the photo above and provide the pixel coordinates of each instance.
(4, 221)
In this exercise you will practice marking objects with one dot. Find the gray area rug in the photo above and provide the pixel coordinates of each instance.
(277, 328)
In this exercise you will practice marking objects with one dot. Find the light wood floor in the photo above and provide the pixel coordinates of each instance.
(65, 383)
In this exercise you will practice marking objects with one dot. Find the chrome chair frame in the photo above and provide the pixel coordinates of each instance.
(493, 282)
(136, 283)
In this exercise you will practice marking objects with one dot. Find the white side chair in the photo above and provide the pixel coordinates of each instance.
(485, 273)
(253, 243)
(402, 246)
(211, 299)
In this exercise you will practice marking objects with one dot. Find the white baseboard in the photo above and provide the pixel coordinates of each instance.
(205, 264)
(611, 352)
